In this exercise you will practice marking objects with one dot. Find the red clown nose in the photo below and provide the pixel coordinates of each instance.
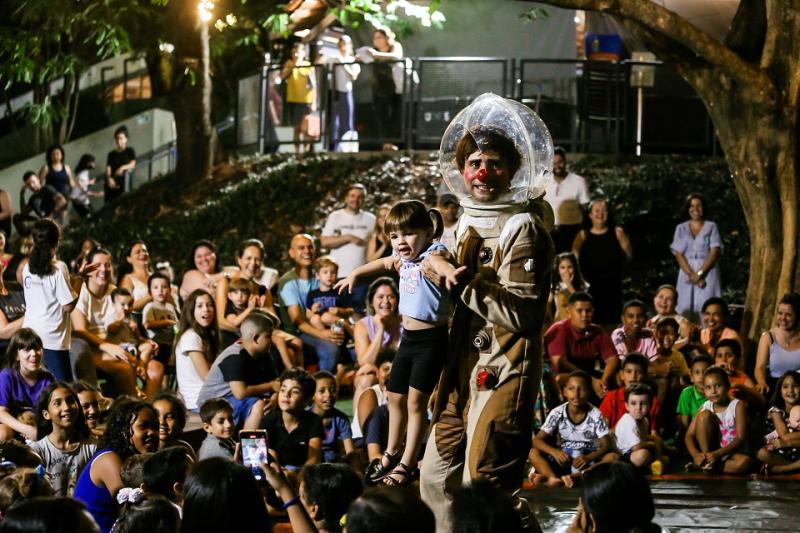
(481, 175)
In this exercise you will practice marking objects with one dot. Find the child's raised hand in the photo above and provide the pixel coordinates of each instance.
(315, 307)
(452, 277)
(252, 301)
(346, 283)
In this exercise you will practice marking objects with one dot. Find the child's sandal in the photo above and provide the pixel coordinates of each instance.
(406, 476)
(376, 471)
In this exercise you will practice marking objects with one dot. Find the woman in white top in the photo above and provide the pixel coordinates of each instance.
(133, 275)
(197, 345)
(93, 312)
(387, 85)
(49, 298)
(204, 271)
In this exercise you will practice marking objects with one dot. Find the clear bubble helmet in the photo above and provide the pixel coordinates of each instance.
(521, 126)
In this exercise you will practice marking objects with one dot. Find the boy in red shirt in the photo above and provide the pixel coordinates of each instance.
(634, 370)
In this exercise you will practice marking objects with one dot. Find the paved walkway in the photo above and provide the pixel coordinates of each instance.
(694, 504)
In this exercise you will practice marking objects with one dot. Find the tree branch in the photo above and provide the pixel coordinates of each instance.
(748, 30)
(663, 21)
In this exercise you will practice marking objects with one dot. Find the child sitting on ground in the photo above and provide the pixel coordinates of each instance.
(65, 444)
(294, 434)
(160, 316)
(325, 305)
(139, 512)
(244, 374)
(21, 382)
(632, 432)
(217, 417)
(727, 354)
(781, 454)
(335, 423)
(668, 369)
(613, 407)
(574, 437)
(125, 331)
(131, 471)
(241, 302)
(633, 336)
(89, 400)
(326, 491)
(171, 413)
(692, 397)
(717, 436)
(164, 473)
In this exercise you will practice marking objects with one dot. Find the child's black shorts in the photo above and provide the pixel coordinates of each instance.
(419, 360)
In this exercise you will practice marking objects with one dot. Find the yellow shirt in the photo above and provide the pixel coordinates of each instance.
(298, 85)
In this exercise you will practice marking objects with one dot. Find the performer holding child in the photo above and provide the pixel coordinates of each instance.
(497, 157)
(425, 307)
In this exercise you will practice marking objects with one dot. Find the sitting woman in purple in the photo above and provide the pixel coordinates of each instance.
(21, 382)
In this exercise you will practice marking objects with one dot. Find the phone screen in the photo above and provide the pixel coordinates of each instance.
(254, 451)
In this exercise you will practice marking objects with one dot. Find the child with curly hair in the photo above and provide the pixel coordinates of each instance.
(132, 429)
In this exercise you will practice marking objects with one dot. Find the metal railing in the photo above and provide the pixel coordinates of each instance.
(589, 106)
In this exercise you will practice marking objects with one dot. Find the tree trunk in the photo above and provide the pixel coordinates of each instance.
(761, 151)
(751, 88)
(191, 97)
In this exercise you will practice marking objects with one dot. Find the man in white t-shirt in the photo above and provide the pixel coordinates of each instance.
(449, 207)
(345, 235)
(568, 195)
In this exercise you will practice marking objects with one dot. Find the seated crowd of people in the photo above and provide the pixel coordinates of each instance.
(102, 377)
(663, 389)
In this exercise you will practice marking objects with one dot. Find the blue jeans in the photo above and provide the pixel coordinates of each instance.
(342, 116)
(57, 362)
(327, 352)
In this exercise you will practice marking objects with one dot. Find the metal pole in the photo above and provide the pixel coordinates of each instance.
(262, 101)
(639, 108)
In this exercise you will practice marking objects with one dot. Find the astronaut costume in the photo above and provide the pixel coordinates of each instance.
(483, 414)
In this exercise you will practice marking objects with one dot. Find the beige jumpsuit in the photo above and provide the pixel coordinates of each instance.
(483, 414)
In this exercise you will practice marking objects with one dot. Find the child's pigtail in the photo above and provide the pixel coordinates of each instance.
(438, 222)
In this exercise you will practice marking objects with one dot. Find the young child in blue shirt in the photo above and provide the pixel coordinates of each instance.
(335, 423)
(425, 307)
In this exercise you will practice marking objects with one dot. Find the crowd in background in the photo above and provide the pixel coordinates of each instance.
(107, 360)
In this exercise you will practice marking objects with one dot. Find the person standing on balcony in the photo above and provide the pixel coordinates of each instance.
(345, 72)
(301, 91)
(119, 166)
(568, 195)
(387, 85)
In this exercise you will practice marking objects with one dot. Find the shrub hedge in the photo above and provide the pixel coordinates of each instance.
(274, 197)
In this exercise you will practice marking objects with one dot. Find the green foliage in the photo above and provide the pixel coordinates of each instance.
(42, 41)
(273, 197)
(270, 198)
(647, 196)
